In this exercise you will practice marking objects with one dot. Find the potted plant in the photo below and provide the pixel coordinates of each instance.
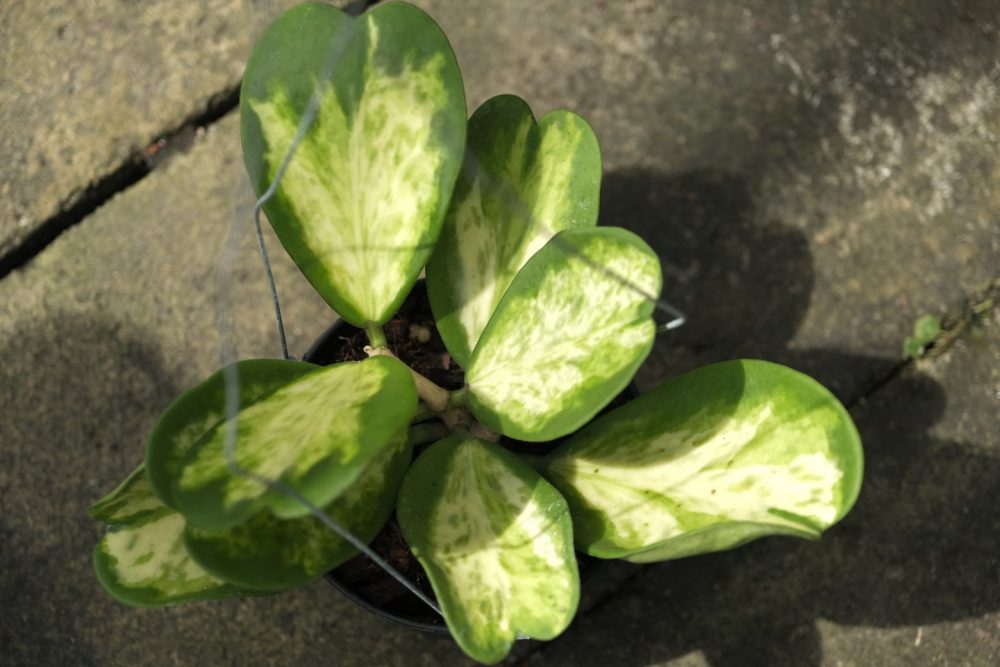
(355, 134)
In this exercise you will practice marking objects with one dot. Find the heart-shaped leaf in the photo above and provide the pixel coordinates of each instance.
(197, 410)
(315, 434)
(496, 541)
(567, 336)
(709, 461)
(268, 553)
(141, 559)
(360, 205)
(521, 182)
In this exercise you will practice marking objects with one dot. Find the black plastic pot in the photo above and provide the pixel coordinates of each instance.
(409, 610)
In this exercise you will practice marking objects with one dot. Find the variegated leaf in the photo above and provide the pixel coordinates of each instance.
(141, 560)
(360, 205)
(268, 553)
(316, 434)
(521, 182)
(197, 410)
(709, 461)
(496, 542)
(133, 498)
(567, 336)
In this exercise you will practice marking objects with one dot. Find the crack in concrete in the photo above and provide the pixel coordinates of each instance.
(977, 305)
(132, 170)
(141, 163)
(983, 301)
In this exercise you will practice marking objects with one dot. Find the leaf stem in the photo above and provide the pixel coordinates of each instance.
(375, 335)
(421, 434)
(423, 414)
(437, 398)
(457, 397)
(448, 406)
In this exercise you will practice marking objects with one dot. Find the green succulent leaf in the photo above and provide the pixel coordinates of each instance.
(360, 205)
(709, 461)
(925, 330)
(130, 501)
(521, 182)
(496, 542)
(272, 554)
(316, 434)
(567, 336)
(199, 409)
(141, 560)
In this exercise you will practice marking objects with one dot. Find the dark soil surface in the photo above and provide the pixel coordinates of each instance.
(403, 333)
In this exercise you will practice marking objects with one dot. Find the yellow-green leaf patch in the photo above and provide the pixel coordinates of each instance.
(567, 336)
(141, 560)
(521, 182)
(708, 461)
(268, 553)
(130, 500)
(316, 434)
(197, 410)
(361, 203)
(496, 542)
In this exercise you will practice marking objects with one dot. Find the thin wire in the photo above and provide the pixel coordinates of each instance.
(340, 41)
(514, 201)
(231, 371)
(232, 382)
(228, 351)
(679, 317)
(275, 303)
(232, 401)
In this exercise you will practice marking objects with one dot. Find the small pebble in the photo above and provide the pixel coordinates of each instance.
(420, 333)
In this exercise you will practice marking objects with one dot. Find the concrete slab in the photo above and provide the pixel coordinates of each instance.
(910, 577)
(86, 86)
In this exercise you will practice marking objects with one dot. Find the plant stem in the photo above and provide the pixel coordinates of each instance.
(436, 398)
(457, 397)
(375, 335)
(421, 434)
(447, 406)
(482, 432)
(423, 414)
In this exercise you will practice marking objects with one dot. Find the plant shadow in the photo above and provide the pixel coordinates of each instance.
(77, 388)
(915, 550)
(745, 286)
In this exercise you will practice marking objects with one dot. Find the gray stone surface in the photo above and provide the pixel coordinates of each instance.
(815, 175)
(910, 577)
(85, 86)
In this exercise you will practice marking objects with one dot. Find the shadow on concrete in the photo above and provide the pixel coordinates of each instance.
(76, 390)
(918, 548)
(744, 284)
